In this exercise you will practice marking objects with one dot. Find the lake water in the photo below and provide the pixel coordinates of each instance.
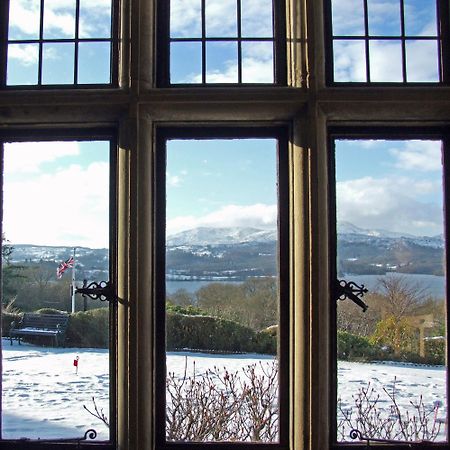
(434, 284)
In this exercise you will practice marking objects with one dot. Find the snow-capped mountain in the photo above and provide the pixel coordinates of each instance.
(221, 236)
(351, 233)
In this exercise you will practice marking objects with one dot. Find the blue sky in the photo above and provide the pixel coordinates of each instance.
(392, 185)
(221, 183)
(56, 193)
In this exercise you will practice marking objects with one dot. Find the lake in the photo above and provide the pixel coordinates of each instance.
(434, 284)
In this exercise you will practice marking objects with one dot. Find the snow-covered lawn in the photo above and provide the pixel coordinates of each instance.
(43, 396)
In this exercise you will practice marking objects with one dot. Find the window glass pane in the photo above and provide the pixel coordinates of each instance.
(49, 59)
(349, 61)
(94, 62)
(208, 45)
(24, 19)
(257, 62)
(420, 18)
(391, 358)
(399, 33)
(256, 18)
(221, 62)
(59, 19)
(384, 18)
(185, 18)
(186, 62)
(348, 17)
(22, 64)
(95, 19)
(58, 63)
(221, 18)
(422, 61)
(385, 61)
(56, 207)
(222, 290)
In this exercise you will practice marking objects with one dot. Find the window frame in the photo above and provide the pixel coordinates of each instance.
(442, 39)
(80, 135)
(114, 52)
(163, 50)
(164, 134)
(389, 133)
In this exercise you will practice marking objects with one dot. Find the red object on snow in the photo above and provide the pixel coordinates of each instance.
(75, 362)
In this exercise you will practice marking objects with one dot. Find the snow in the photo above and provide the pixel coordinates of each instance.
(43, 396)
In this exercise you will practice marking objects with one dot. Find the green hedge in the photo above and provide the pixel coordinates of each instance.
(353, 347)
(207, 333)
(89, 329)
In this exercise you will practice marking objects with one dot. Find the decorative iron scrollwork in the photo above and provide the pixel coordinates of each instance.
(90, 435)
(351, 290)
(356, 434)
(103, 291)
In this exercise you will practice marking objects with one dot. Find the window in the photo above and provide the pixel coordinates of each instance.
(58, 353)
(310, 79)
(59, 43)
(222, 290)
(387, 42)
(391, 357)
(222, 42)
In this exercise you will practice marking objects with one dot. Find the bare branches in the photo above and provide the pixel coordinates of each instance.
(219, 405)
(420, 424)
(97, 413)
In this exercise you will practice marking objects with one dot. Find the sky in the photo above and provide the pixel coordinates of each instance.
(55, 192)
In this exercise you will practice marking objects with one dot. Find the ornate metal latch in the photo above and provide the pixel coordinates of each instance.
(356, 434)
(103, 291)
(349, 289)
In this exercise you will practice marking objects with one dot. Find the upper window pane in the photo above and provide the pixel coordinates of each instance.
(395, 41)
(59, 42)
(221, 42)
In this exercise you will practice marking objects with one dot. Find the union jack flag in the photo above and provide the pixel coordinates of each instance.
(64, 266)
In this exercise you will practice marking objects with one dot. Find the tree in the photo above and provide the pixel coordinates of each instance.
(395, 333)
(400, 296)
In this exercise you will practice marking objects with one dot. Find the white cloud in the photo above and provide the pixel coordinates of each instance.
(27, 54)
(349, 61)
(258, 215)
(185, 18)
(348, 17)
(68, 207)
(257, 18)
(27, 157)
(419, 155)
(173, 180)
(221, 18)
(59, 17)
(390, 203)
(385, 61)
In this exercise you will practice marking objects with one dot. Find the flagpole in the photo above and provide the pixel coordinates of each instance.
(73, 281)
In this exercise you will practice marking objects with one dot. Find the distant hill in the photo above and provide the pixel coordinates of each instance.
(237, 253)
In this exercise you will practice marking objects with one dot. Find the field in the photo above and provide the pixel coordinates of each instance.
(43, 394)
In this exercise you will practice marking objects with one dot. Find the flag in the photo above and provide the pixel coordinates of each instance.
(64, 266)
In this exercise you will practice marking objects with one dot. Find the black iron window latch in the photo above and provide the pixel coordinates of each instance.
(103, 291)
(349, 289)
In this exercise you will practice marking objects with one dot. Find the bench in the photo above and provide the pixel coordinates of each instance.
(37, 325)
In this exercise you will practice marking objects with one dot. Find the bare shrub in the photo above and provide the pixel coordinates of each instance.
(219, 405)
(393, 423)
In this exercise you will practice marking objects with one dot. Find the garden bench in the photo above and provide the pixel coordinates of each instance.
(34, 325)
